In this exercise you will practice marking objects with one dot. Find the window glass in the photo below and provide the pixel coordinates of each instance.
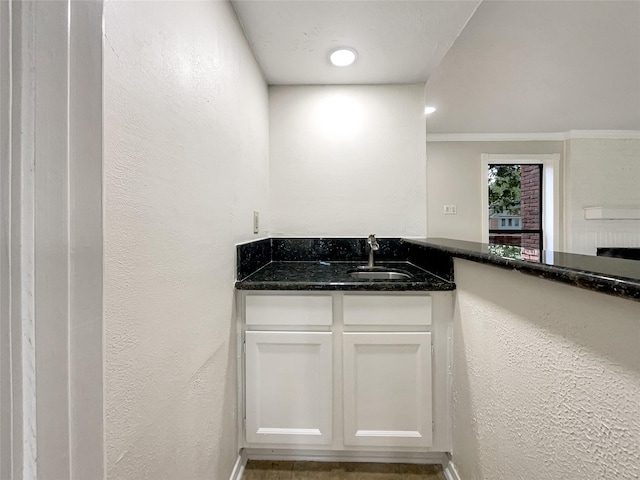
(515, 197)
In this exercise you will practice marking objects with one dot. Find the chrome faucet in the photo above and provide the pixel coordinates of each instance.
(373, 246)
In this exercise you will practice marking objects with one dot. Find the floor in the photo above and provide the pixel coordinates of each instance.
(268, 470)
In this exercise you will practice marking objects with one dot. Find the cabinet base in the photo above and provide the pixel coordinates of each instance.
(426, 458)
(430, 458)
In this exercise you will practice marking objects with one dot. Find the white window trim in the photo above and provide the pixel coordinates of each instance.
(550, 192)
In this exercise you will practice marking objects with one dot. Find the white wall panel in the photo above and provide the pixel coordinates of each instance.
(453, 178)
(604, 173)
(6, 453)
(348, 160)
(545, 379)
(185, 166)
(51, 239)
(86, 348)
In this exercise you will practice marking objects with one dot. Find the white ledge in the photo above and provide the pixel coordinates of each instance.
(604, 213)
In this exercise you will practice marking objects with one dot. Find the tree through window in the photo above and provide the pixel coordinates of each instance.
(515, 206)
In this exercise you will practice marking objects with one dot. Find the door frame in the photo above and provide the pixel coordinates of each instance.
(51, 246)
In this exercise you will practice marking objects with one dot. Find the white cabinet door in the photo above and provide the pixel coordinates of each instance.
(387, 389)
(289, 387)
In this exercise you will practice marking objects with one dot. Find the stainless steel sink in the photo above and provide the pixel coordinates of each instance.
(379, 275)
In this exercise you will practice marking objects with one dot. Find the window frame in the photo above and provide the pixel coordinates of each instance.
(551, 237)
(513, 225)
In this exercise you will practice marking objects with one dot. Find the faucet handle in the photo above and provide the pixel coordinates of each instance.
(373, 242)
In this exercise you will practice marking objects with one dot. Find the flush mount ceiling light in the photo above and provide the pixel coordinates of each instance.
(343, 57)
(429, 110)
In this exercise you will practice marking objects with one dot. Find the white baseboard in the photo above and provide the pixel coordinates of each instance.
(430, 458)
(238, 467)
(450, 470)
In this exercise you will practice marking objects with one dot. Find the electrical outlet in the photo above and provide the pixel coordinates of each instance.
(450, 210)
(256, 221)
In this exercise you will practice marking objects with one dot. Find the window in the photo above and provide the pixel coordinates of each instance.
(549, 226)
(515, 192)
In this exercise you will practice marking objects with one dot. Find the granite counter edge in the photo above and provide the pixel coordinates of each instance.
(599, 282)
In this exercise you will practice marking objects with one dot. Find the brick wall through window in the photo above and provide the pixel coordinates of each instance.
(530, 204)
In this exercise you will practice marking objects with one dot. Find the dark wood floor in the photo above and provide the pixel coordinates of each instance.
(268, 470)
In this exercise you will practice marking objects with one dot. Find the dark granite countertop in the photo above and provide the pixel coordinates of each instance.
(322, 275)
(612, 276)
(324, 263)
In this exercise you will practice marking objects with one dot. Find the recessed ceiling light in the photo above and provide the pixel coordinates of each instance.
(429, 110)
(343, 57)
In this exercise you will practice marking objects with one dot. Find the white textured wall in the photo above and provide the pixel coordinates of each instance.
(454, 177)
(601, 173)
(185, 164)
(546, 379)
(348, 160)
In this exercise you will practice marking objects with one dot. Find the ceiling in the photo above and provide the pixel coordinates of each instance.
(398, 41)
(540, 67)
(492, 67)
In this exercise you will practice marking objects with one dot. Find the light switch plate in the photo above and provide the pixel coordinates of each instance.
(256, 221)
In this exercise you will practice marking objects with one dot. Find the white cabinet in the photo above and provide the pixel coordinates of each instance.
(288, 310)
(345, 371)
(387, 310)
(289, 387)
(387, 389)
